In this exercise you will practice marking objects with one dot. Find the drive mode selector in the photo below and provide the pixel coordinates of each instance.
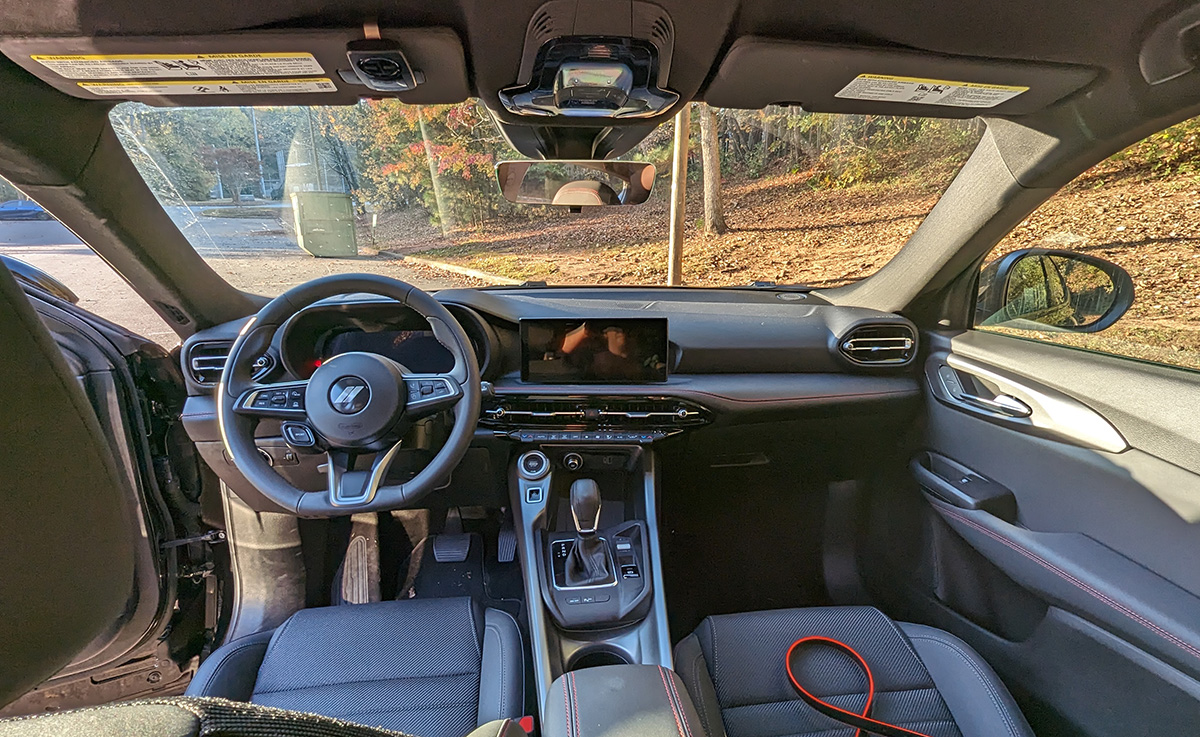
(355, 400)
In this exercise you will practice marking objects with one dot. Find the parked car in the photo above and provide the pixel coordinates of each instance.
(23, 210)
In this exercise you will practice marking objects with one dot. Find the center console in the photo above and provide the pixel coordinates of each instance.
(587, 415)
(586, 522)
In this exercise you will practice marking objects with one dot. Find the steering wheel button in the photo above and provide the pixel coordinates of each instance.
(295, 394)
(426, 388)
(299, 435)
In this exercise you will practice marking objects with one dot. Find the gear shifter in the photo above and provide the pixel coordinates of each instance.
(588, 563)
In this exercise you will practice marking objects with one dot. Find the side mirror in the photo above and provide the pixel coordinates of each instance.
(35, 277)
(1040, 289)
(575, 184)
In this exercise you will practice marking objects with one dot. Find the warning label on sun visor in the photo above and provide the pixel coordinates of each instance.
(885, 88)
(158, 66)
(210, 87)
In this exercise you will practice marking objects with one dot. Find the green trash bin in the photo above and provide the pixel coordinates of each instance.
(325, 224)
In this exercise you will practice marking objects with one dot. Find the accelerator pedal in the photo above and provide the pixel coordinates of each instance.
(452, 545)
(506, 542)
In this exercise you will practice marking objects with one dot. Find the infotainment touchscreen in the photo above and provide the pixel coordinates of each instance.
(626, 351)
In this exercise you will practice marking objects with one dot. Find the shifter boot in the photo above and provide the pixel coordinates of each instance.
(587, 565)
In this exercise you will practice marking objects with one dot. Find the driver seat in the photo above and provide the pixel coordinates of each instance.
(430, 667)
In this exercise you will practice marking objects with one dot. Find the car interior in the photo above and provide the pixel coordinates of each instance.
(356, 506)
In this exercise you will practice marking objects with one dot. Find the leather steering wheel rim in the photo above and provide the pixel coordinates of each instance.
(237, 425)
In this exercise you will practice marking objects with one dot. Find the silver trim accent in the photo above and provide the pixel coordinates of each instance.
(379, 469)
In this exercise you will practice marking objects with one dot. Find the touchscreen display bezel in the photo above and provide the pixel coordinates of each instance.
(644, 326)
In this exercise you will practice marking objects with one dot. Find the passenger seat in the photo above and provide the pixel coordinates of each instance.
(926, 680)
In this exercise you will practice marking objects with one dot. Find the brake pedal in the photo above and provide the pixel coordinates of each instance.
(452, 545)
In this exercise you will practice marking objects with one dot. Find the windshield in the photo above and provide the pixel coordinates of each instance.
(272, 197)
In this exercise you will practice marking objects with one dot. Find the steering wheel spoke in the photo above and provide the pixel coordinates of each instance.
(429, 394)
(284, 401)
(352, 488)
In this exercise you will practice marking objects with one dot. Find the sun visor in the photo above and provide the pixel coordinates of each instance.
(757, 72)
(260, 68)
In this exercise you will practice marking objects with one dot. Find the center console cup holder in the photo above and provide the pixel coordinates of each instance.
(597, 656)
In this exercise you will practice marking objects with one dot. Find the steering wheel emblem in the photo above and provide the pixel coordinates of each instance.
(349, 395)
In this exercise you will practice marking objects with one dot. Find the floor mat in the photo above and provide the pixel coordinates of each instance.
(481, 576)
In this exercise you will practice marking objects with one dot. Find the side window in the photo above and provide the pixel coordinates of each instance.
(1112, 262)
(38, 248)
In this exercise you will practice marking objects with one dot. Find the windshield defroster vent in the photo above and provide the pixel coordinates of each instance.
(880, 345)
(206, 362)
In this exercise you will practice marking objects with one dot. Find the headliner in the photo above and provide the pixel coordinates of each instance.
(1105, 34)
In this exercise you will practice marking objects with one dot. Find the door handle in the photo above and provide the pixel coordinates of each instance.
(1004, 405)
(1001, 404)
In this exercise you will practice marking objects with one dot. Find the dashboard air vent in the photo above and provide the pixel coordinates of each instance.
(206, 361)
(625, 413)
(880, 345)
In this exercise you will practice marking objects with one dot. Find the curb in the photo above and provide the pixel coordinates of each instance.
(456, 269)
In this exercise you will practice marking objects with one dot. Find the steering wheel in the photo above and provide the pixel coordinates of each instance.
(353, 404)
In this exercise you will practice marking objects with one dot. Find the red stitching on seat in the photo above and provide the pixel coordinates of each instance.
(1079, 584)
(682, 712)
(567, 704)
(575, 703)
(674, 711)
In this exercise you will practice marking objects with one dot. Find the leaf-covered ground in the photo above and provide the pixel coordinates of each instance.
(783, 230)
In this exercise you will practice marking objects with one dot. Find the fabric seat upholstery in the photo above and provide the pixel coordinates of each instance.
(430, 667)
(926, 680)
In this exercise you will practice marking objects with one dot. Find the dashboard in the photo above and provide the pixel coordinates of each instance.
(684, 362)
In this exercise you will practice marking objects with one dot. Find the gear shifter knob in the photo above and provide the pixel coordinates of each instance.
(585, 506)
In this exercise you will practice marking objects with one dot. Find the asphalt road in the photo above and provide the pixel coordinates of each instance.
(254, 255)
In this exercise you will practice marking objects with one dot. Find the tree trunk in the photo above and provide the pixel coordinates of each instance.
(679, 162)
(714, 206)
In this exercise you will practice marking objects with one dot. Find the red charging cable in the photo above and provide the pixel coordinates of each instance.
(863, 722)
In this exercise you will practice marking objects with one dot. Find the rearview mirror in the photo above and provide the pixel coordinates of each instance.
(1036, 289)
(575, 184)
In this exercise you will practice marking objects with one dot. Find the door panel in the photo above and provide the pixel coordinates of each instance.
(1105, 473)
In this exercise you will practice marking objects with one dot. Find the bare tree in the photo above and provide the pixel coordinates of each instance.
(236, 168)
(714, 206)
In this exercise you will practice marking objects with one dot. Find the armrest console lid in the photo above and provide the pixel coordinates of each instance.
(621, 701)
